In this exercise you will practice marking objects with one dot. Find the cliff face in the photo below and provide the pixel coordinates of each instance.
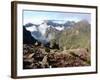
(27, 38)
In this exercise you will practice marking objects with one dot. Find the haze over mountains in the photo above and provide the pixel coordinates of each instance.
(68, 33)
(39, 31)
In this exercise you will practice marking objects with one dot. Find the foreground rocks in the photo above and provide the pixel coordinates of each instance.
(35, 57)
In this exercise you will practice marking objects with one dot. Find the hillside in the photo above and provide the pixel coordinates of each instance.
(77, 36)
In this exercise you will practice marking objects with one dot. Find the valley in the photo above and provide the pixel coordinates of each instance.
(54, 45)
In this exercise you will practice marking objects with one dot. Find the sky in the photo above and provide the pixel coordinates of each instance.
(37, 17)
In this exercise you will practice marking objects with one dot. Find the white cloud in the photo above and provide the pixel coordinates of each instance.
(31, 29)
(59, 28)
(42, 28)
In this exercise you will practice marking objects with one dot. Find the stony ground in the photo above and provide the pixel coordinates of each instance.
(39, 57)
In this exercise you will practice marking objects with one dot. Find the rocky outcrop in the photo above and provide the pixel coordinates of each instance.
(37, 57)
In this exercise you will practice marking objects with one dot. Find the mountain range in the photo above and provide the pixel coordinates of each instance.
(65, 34)
(43, 31)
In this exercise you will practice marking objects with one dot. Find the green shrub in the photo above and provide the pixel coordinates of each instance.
(47, 49)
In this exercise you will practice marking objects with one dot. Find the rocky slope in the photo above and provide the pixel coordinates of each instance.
(36, 57)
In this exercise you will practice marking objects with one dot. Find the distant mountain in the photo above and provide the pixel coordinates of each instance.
(30, 24)
(77, 36)
(37, 31)
(51, 23)
(47, 30)
(52, 33)
(69, 24)
(55, 24)
(66, 35)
